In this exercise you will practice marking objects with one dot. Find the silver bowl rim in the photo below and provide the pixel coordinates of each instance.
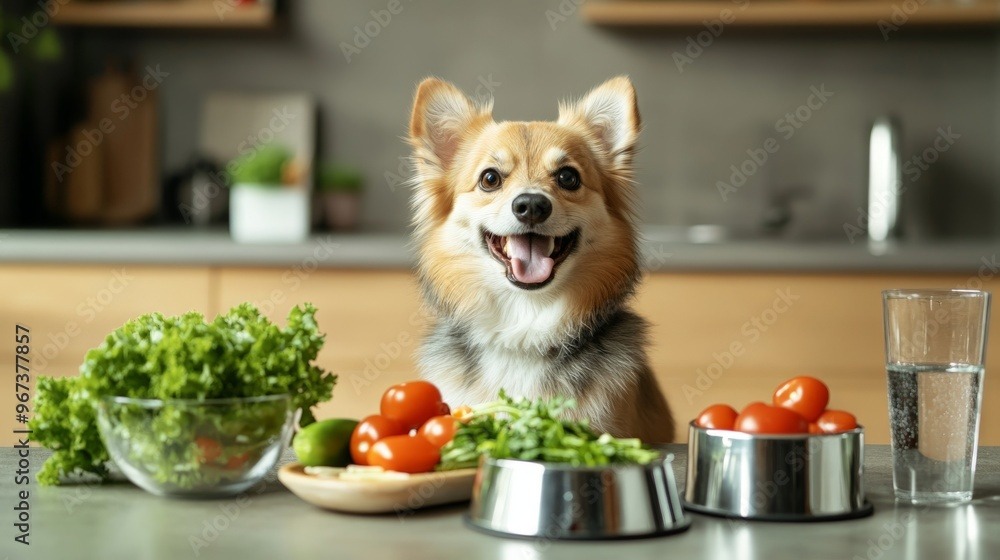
(663, 458)
(663, 461)
(860, 430)
(159, 403)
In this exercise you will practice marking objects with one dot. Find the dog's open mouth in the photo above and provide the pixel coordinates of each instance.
(531, 259)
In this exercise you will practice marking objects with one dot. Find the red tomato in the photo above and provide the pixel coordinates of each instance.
(836, 421)
(718, 416)
(806, 395)
(439, 430)
(370, 430)
(409, 454)
(411, 403)
(210, 449)
(814, 428)
(237, 461)
(444, 409)
(759, 418)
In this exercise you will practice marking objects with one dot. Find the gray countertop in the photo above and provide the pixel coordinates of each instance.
(118, 520)
(664, 250)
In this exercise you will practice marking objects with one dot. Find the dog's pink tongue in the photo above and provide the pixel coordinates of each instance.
(528, 258)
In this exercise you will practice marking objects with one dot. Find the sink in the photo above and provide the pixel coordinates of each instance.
(703, 233)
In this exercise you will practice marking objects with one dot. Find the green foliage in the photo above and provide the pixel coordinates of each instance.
(239, 354)
(66, 423)
(262, 166)
(340, 178)
(47, 45)
(537, 431)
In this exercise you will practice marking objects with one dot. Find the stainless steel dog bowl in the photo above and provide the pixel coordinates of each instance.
(554, 501)
(776, 477)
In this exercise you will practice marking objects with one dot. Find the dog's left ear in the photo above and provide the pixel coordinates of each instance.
(610, 115)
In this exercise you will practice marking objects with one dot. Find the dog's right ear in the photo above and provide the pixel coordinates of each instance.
(441, 115)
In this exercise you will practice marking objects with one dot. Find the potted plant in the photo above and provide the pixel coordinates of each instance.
(269, 199)
(340, 196)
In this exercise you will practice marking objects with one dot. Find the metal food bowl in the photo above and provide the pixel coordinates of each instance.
(531, 499)
(795, 477)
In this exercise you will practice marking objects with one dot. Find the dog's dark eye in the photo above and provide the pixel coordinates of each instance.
(568, 178)
(490, 180)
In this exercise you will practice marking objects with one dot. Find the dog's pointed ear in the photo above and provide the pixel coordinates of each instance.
(610, 116)
(441, 115)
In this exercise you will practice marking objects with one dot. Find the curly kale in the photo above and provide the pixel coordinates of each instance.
(239, 354)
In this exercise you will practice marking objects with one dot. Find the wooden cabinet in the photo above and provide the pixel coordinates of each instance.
(731, 338)
(183, 14)
(879, 15)
(717, 337)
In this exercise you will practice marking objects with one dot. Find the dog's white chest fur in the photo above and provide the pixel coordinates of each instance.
(520, 373)
(511, 342)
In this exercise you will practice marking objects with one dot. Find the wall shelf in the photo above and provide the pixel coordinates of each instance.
(204, 14)
(792, 13)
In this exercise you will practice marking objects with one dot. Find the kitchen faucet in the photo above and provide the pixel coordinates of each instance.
(884, 180)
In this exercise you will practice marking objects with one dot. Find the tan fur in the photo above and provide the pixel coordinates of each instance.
(453, 141)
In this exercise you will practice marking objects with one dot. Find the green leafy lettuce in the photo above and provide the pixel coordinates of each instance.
(239, 354)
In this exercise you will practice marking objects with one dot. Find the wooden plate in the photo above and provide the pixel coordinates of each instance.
(379, 496)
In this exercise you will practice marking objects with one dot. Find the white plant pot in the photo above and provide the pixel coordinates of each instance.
(268, 214)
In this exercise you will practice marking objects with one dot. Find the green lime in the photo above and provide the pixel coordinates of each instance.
(326, 443)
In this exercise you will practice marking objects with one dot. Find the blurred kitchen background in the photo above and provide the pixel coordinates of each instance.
(167, 155)
(706, 100)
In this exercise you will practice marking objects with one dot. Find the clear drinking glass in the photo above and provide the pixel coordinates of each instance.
(935, 349)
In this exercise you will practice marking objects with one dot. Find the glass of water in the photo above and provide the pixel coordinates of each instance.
(935, 349)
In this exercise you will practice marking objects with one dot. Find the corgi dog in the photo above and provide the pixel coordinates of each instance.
(528, 256)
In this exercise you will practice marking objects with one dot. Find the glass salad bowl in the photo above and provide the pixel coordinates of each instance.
(196, 448)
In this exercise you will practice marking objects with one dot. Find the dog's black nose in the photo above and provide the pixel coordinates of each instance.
(532, 208)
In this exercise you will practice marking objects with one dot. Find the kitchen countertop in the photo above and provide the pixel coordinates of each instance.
(118, 520)
(663, 249)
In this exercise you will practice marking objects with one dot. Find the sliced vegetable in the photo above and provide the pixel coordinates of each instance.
(462, 413)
